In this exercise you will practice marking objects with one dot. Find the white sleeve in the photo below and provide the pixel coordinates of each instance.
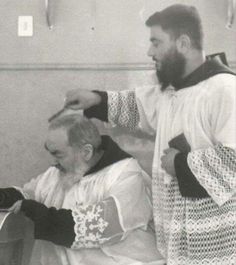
(222, 112)
(133, 201)
(28, 190)
(127, 208)
(215, 166)
(215, 169)
(33, 189)
(96, 224)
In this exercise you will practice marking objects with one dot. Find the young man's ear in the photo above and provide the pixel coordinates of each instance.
(183, 44)
(87, 152)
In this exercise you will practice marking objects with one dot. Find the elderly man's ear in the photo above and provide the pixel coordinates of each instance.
(88, 152)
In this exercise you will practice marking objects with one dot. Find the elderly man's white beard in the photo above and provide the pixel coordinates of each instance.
(69, 179)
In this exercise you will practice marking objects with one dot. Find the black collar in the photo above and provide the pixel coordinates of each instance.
(208, 69)
(112, 154)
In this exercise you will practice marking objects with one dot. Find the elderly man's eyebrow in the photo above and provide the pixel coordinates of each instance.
(153, 39)
(53, 152)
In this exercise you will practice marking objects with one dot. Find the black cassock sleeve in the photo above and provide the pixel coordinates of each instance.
(50, 224)
(9, 196)
(188, 184)
(99, 111)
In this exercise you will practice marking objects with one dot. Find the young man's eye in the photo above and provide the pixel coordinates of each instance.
(59, 156)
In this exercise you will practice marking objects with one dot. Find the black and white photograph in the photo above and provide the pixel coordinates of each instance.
(118, 132)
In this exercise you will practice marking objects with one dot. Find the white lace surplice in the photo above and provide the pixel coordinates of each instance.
(190, 231)
(124, 182)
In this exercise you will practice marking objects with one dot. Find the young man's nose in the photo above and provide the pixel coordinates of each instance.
(150, 52)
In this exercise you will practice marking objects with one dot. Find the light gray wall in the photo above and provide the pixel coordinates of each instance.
(119, 34)
(112, 56)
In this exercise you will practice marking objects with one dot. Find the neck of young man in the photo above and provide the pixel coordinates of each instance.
(193, 61)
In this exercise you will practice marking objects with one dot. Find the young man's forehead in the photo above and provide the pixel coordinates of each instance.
(158, 34)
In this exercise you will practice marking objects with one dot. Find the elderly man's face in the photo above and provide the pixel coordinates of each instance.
(170, 64)
(66, 158)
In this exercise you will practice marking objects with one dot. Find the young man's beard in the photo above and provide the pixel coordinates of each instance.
(171, 69)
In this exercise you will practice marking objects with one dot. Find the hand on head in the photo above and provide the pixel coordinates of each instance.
(81, 99)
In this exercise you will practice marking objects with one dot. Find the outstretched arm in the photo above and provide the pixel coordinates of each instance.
(87, 226)
(67, 227)
(131, 109)
(127, 207)
(118, 108)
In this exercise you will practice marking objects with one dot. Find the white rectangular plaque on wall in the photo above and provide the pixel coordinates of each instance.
(25, 26)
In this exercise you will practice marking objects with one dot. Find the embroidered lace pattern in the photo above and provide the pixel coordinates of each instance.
(194, 231)
(215, 169)
(122, 109)
(214, 261)
(190, 231)
(89, 226)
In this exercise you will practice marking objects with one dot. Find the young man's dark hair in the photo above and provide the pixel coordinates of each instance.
(178, 20)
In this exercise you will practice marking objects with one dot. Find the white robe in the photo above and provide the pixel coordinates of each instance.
(188, 231)
(129, 187)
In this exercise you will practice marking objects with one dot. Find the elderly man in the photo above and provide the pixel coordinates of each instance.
(92, 206)
(192, 112)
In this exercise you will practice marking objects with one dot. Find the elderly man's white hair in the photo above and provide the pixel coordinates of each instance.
(80, 130)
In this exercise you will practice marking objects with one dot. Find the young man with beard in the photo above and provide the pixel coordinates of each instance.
(192, 112)
(93, 206)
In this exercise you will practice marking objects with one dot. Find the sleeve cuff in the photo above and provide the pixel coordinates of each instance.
(99, 111)
(34, 210)
(50, 224)
(9, 196)
(188, 184)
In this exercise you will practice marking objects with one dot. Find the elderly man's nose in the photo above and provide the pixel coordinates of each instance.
(55, 161)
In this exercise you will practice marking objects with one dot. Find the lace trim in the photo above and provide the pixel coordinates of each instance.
(122, 109)
(89, 226)
(215, 169)
(211, 224)
(196, 229)
(227, 260)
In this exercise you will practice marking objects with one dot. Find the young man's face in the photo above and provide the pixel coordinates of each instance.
(66, 158)
(170, 64)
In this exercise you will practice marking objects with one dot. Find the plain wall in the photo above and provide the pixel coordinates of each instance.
(101, 45)
(99, 31)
